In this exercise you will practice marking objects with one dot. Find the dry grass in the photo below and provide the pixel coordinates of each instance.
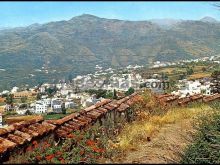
(137, 132)
(198, 75)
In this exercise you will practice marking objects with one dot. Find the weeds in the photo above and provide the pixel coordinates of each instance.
(206, 147)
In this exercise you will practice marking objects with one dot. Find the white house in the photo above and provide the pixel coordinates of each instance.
(69, 104)
(193, 87)
(65, 92)
(14, 89)
(88, 101)
(42, 89)
(21, 112)
(5, 92)
(46, 101)
(40, 107)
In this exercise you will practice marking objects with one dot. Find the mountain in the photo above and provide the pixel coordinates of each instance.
(209, 19)
(64, 49)
(165, 23)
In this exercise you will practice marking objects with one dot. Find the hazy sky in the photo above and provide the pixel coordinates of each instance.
(13, 14)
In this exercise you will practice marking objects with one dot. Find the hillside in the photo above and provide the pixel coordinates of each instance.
(75, 46)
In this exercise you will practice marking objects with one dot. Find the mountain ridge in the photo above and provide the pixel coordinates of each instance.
(75, 46)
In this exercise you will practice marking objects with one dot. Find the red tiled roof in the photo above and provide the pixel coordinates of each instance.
(23, 132)
(211, 98)
(163, 96)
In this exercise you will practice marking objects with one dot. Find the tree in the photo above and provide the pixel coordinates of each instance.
(115, 94)
(63, 108)
(9, 99)
(22, 106)
(182, 76)
(203, 69)
(164, 76)
(189, 71)
(51, 91)
(23, 99)
(109, 95)
(28, 112)
(129, 91)
(38, 96)
(99, 93)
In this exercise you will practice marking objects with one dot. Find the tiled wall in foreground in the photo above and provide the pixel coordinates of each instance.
(18, 135)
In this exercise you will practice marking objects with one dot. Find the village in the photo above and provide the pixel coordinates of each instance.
(85, 90)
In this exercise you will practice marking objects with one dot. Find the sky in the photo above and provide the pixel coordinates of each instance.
(16, 14)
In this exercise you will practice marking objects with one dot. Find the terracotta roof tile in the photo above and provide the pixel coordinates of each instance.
(23, 135)
(72, 127)
(163, 96)
(108, 107)
(30, 132)
(3, 131)
(6, 145)
(16, 139)
(123, 107)
(35, 130)
(196, 97)
(19, 133)
(99, 104)
(102, 109)
(95, 113)
(99, 111)
(67, 129)
(92, 116)
(170, 98)
(115, 105)
(79, 122)
(122, 100)
(211, 98)
(62, 133)
(49, 127)
(75, 124)
(84, 119)
(64, 119)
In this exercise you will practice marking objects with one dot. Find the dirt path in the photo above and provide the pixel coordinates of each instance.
(165, 147)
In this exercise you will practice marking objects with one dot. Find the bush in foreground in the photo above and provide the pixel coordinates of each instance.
(206, 147)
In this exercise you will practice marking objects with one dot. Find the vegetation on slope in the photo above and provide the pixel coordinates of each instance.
(206, 147)
(151, 118)
(77, 45)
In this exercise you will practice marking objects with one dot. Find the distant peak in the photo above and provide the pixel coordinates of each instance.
(208, 19)
(34, 25)
(86, 16)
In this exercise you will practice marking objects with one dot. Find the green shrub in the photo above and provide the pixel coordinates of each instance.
(206, 148)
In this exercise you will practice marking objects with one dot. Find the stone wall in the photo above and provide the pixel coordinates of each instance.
(16, 138)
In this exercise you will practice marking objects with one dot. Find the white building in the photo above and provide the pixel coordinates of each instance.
(56, 105)
(46, 101)
(21, 112)
(88, 100)
(65, 92)
(1, 121)
(40, 107)
(69, 104)
(5, 92)
(42, 89)
(14, 90)
(193, 87)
